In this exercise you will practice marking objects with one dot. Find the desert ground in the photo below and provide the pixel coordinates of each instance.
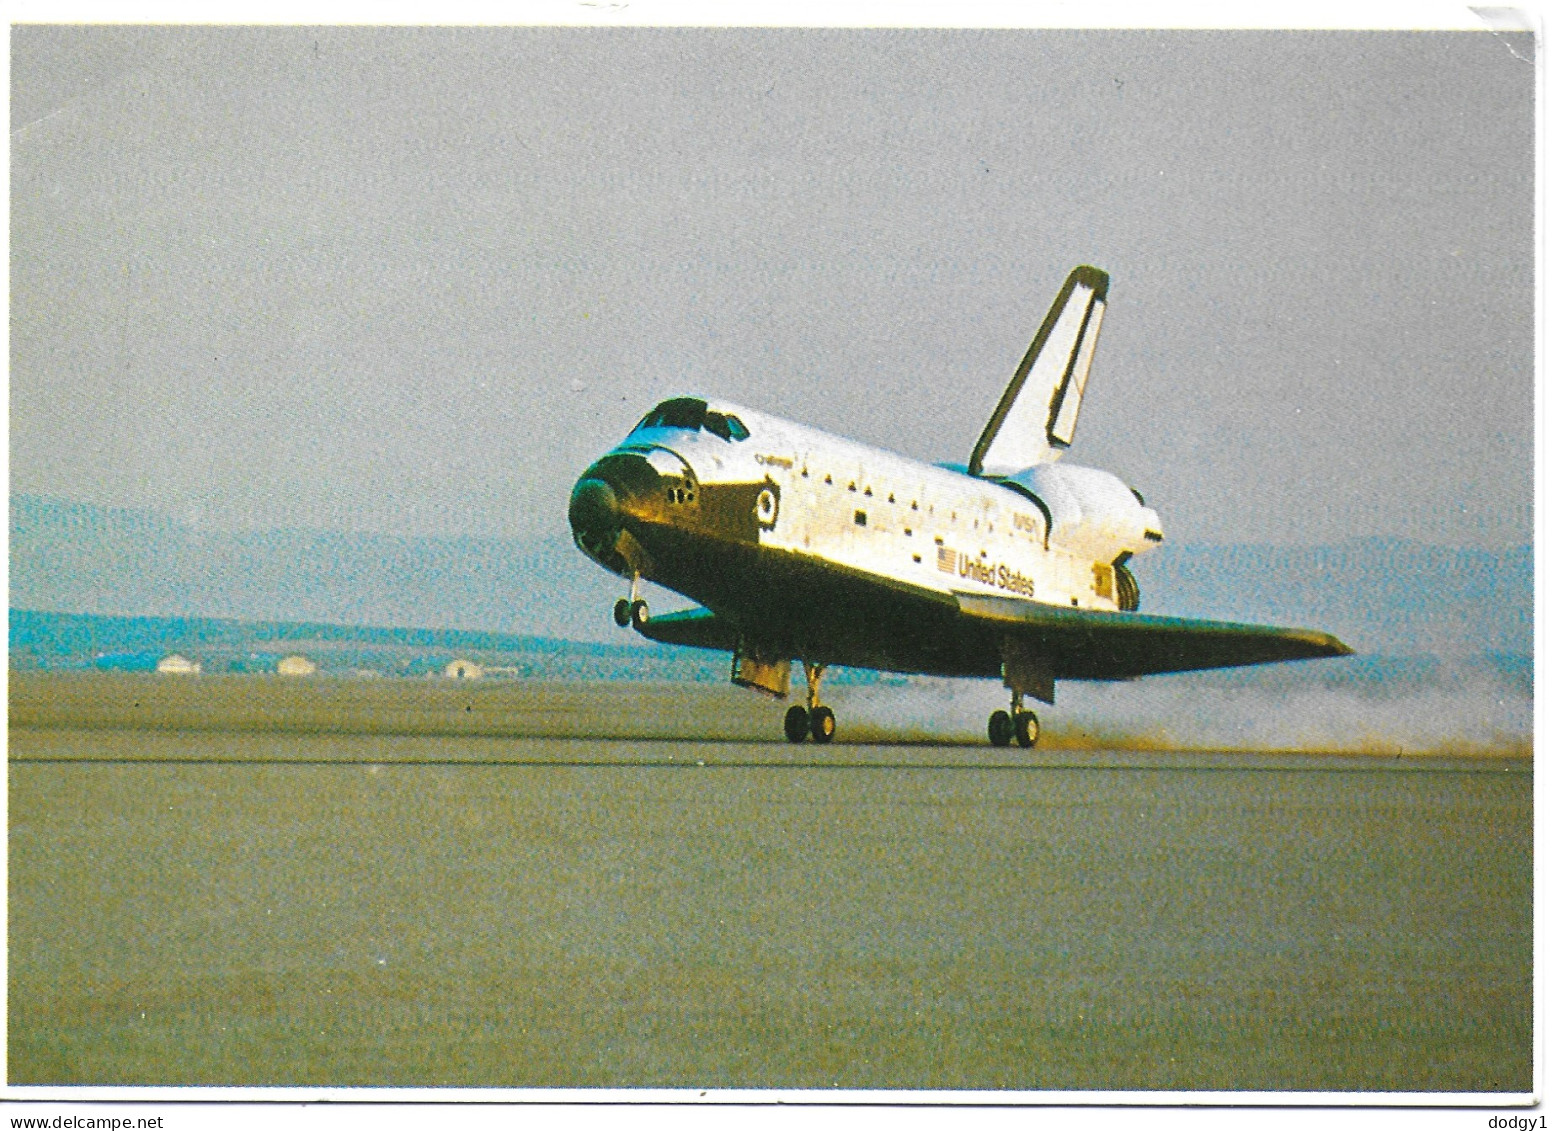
(254, 881)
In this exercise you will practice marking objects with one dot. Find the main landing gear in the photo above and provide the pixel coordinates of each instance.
(631, 609)
(812, 719)
(1019, 724)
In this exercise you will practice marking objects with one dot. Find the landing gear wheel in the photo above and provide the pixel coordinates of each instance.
(621, 612)
(822, 724)
(638, 613)
(797, 723)
(1000, 728)
(1027, 727)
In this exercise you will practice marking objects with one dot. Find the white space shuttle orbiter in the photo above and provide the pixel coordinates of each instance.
(800, 545)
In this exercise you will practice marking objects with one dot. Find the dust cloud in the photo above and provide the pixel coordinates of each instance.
(1466, 706)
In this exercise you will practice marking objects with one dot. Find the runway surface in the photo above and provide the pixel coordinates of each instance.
(247, 906)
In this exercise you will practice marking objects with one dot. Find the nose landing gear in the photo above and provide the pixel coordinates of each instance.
(635, 613)
(1019, 724)
(631, 609)
(812, 719)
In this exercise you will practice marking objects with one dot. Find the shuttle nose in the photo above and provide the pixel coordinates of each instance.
(594, 514)
(616, 493)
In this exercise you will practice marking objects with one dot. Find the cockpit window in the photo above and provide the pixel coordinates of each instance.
(682, 412)
(725, 426)
(686, 412)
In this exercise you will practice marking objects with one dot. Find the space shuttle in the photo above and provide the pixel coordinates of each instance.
(798, 545)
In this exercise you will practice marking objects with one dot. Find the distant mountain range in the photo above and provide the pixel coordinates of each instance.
(1382, 596)
(78, 558)
(1444, 636)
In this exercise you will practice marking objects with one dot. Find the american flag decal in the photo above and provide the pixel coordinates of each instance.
(946, 559)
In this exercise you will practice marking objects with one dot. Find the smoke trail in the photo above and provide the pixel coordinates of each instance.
(1461, 706)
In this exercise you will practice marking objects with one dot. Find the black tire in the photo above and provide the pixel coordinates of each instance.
(797, 723)
(822, 724)
(1027, 727)
(638, 613)
(621, 613)
(1000, 728)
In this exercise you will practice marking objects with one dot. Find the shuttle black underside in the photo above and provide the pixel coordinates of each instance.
(780, 604)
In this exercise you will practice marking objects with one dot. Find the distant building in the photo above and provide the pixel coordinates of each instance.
(296, 665)
(509, 671)
(463, 669)
(178, 665)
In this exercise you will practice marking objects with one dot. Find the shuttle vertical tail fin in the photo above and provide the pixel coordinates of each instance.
(1037, 416)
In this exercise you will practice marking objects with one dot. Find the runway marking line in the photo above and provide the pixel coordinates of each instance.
(1391, 767)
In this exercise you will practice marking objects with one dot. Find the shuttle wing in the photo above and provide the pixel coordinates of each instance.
(1070, 643)
(1037, 415)
(1084, 644)
(692, 628)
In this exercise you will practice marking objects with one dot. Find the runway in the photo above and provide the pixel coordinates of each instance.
(248, 906)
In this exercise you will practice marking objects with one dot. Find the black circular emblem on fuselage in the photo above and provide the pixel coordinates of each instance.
(766, 506)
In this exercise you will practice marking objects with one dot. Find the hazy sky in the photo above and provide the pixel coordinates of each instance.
(413, 281)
